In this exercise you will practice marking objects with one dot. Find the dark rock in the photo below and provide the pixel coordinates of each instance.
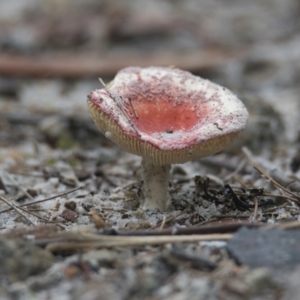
(271, 248)
(69, 215)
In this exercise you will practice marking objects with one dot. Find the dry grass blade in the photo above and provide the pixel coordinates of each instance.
(286, 225)
(192, 230)
(3, 186)
(43, 200)
(255, 212)
(75, 242)
(288, 198)
(166, 221)
(19, 186)
(75, 66)
(163, 223)
(17, 210)
(256, 166)
(238, 169)
(53, 197)
(41, 218)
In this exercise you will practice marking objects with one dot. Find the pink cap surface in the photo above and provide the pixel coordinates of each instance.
(168, 110)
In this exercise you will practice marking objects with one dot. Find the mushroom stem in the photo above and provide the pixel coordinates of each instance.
(156, 180)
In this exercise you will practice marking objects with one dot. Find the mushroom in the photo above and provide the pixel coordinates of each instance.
(166, 116)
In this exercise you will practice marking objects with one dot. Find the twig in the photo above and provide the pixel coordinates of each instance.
(230, 217)
(78, 67)
(287, 225)
(212, 229)
(206, 222)
(280, 187)
(255, 211)
(121, 210)
(119, 102)
(290, 183)
(41, 218)
(43, 200)
(117, 198)
(102, 82)
(75, 242)
(256, 166)
(267, 195)
(170, 219)
(3, 186)
(108, 180)
(19, 186)
(133, 109)
(53, 197)
(275, 208)
(240, 167)
(17, 210)
(123, 187)
(163, 223)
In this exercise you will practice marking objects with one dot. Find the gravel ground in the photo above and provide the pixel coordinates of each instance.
(67, 246)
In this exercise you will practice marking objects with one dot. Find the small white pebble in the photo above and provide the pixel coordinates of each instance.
(107, 134)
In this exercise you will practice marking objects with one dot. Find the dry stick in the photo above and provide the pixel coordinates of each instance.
(287, 225)
(24, 173)
(294, 180)
(163, 223)
(41, 218)
(268, 195)
(3, 186)
(133, 109)
(43, 200)
(118, 100)
(170, 219)
(275, 208)
(123, 187)
(102, 82)
(71, 237)
(240, 181)
(256, 166)
(17, 210)
(117, 198)
(75, 66)
(108, 180)
(239, 168)
(212, 229)
(230, 217)
(19, 186)
(121, 210)
(31, 213)
(88, 241)
(255, 211)
(206, 222)
(275, 183)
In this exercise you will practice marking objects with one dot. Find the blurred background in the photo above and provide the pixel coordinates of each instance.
(53, 51)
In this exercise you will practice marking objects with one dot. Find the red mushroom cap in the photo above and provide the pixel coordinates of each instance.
(167, 115)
